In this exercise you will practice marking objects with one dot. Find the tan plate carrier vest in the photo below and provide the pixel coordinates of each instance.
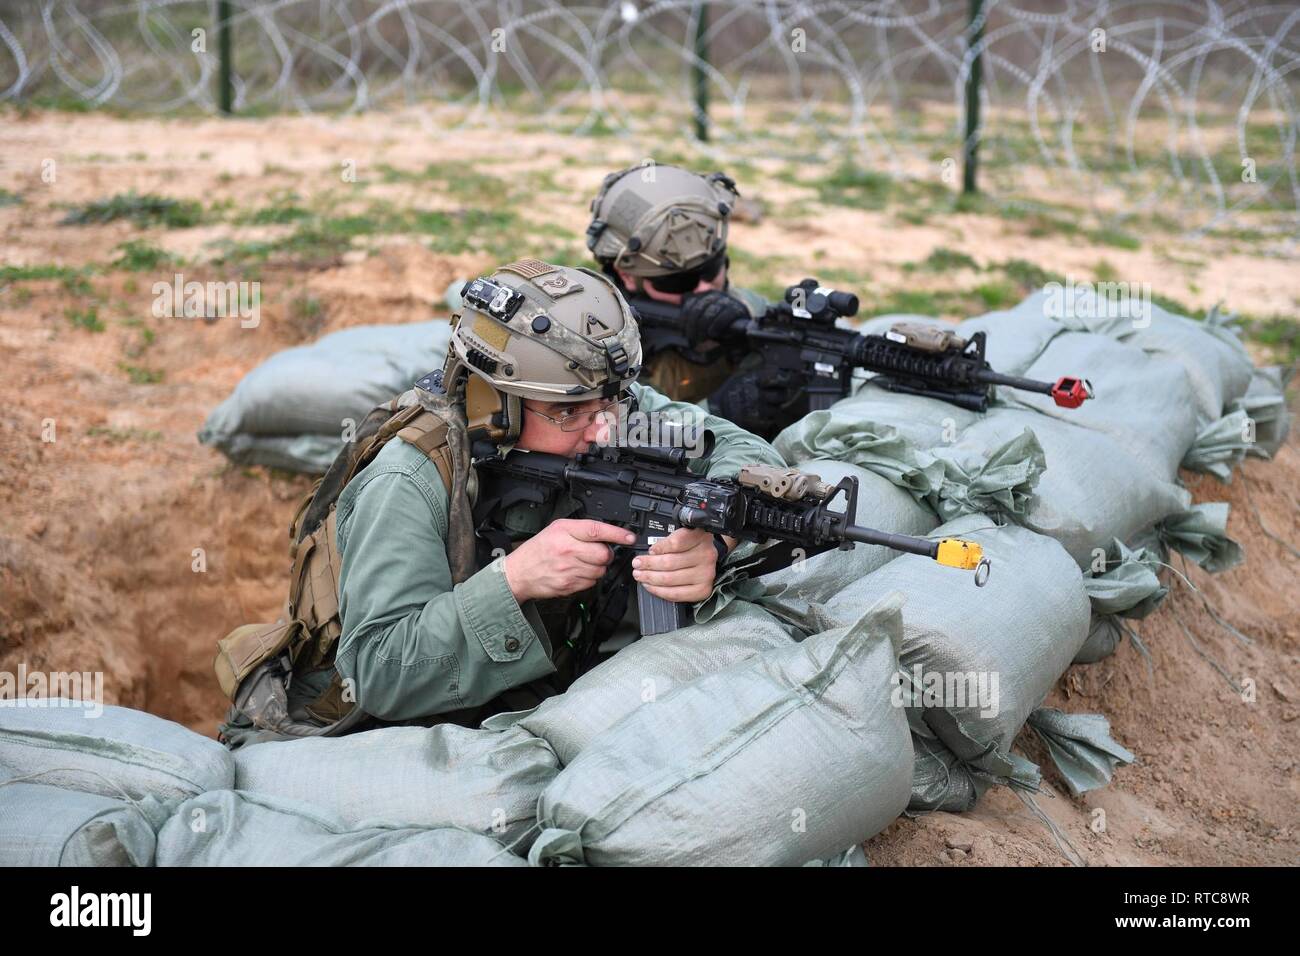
(255, 662)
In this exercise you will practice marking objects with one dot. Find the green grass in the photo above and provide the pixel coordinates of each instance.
(1279, 334)
(77, 284)
(1103, 271)
(8, 198)
(35, 273)
(142, 210)
(458, 179)
(118, 436)
(1028, 276)
(140, 375)
(1112, 236)
(147, 337)
(943, 259)
(276, 215)
(322, 239)
(998, 294)
(138, 255)
(306, 316)
(87, 318)
(850, 185)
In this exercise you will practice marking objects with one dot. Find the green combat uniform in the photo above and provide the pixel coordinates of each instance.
(413, 644)
(398, 608)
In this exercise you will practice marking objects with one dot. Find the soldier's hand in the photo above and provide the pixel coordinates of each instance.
(567, 556)
(680, 567)
(711, 316)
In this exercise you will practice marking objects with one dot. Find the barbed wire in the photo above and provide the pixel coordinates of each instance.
(1185, 108)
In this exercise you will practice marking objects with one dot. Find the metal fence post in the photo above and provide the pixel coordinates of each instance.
(697, 72)
(227, 88)
(970, 147)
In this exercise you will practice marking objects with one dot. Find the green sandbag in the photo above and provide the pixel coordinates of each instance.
(49, 826)
(1218, 365)
(1144, 401)
(1081, 747)
(233, 828)
(981, 659)
(291, 411)
(779, 760)
(1265, 403)
(645, 671)
(120, 753)
(441, 776)
(1092, 491)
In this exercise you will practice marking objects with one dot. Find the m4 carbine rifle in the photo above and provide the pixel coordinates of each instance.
(651, 491)
(808, 361)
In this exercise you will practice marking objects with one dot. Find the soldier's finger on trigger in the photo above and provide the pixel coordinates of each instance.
(591, 530)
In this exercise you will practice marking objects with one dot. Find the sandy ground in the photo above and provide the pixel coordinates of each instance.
(128, 548)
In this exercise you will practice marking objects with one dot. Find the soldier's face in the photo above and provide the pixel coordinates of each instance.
(647, 288)
(541, 430)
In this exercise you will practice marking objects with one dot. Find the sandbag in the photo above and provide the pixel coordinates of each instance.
(234, 828)
(1265, 403)
(120, 753)
(974, 661)
(442, 776)
(646, 670)
(49, 826)
(1081, 747)
(1144, 401)
(784, 758)
(939, 781)
(291, 411)
(1091, 492)
(866, 422)
(1217, 364)
(1015, 337)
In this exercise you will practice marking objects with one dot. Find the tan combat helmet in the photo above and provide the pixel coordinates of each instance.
(655, 220)
(534, 330)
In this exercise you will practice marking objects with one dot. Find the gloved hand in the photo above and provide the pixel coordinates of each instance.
(710, 315)
(759, 401)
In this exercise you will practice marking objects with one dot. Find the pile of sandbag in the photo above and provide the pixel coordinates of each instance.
(802, 712)
(759, 747)
(1100, 481)
(295, 410)
(125, 788)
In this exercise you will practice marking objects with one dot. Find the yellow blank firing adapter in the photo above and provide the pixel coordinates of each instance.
(967, 555)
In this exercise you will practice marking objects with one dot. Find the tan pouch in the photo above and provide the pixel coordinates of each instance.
(248, 646)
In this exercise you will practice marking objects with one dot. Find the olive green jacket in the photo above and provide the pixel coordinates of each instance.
(413, 644)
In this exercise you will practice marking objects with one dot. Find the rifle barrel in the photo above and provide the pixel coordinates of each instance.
(898, 542)
(989, 377)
